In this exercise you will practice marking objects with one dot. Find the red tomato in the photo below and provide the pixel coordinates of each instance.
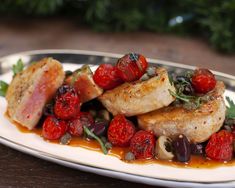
(76, 124)
(120, 131)
(131, 67)
(220, 146)
(67, 103)
(53, 128)
(106, 77)
(203, 81)
(142, 145)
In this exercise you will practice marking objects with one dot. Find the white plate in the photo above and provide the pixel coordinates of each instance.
(87, 160)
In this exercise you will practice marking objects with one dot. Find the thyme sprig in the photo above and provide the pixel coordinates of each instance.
(18, 67)
(91, 134)
(230, 113)
(3, 88)
(180, 96)
(189, 102)
(184, 92)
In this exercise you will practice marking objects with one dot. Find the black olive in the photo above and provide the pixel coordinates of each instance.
(188, 89)
(48, 109)
(64, 89)
(182, 79)
(197, 149)
(99, 128)
(68, 73)
(181, 147)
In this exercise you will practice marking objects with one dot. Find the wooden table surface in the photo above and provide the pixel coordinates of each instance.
(21, 170)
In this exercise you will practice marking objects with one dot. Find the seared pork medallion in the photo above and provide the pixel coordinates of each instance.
(140, 110)
(31, 89)
(139, 97)
(196, 124)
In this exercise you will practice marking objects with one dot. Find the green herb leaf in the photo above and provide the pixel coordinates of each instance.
(230, 109)
(190, 102)
(189, 74)
(18, 67)
(91, 134)
(3, 88)
(182, 97)
(171, 80)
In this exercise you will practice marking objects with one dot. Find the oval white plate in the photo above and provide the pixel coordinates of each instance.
(96, 162)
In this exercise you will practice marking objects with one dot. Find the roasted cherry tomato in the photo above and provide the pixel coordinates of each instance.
(142, 145)
(120, 131)
(131, 67)
(76, 124)
(106, 77)
(220, 146)
(53, 128)
(203, 81)
(67, 103)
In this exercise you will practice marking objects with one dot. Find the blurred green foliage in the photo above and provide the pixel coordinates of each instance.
(214, 20)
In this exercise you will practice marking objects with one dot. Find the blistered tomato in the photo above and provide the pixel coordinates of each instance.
(203, 81)
(131, 67)
(106, 76)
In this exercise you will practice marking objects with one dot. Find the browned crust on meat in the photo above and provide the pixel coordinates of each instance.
(198, 125)
(139, 97)
(30, 89)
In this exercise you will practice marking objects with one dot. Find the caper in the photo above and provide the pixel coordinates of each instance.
(188, 89)
(68, 73)
(197, 149)
(103, 139)
(151, 71)
(182, 148)
(65, 139)
(144, 77)
(108, 145)
(185, 82)
(182, 79)
(129, 156)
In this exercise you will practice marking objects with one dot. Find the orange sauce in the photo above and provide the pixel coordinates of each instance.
(119, 152)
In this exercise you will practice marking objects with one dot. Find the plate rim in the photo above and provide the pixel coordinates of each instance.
(112, 55)
(61, 161)
(106, 172)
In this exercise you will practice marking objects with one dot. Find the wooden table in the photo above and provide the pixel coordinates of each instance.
(21, 170)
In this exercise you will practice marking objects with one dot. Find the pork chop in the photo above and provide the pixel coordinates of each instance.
(31, 89)
(139, 97)
(197, 125)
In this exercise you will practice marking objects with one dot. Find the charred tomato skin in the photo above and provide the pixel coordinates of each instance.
(131, 67)
(219, 146)
(203, 81)
(106, 77)
(67, 103)
(142, 145)
(120, 131)
(76, 124)
(53, 128)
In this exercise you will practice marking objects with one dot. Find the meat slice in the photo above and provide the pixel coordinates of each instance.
(82, 80)
(139, 97)
(31, 89)
(198, 125)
